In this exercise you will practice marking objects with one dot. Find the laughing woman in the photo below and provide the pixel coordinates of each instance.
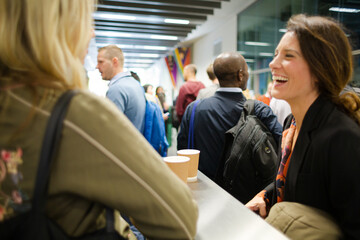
(320, 157)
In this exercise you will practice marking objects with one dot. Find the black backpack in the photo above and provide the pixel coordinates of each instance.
(34, 224)
(249, 159)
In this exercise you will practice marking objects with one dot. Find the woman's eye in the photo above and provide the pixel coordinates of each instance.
(288, 55)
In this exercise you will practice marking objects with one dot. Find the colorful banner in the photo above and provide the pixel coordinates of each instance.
(182, 58)
(171, 65)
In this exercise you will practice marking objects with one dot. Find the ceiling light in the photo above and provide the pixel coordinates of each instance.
(122, 46)
(126, 46)
(149, 55)
(141, 55)
(263, 44)
(154, 47)
(265, 54)
(283, 30)
(139, 61)
(249, 60)
(139, 71)
(164, 37)
(104, 15)
(177, 21)
(137, 65)
(346, 10)
(112, 34)
(133, 35)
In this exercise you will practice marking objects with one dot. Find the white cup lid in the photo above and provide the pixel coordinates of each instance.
(175, 159)
(188, 151)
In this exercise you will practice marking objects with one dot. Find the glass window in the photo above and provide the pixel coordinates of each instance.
(261, 26)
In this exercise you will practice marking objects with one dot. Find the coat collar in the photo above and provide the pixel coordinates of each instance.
(315, 117)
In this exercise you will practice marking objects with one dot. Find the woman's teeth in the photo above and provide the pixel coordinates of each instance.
(280, 79)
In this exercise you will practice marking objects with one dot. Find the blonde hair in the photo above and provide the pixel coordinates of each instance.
(192, 68)
(45, 38)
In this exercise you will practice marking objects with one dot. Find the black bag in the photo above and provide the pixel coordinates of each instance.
(174, 118)
(248, 162)
(34, 224)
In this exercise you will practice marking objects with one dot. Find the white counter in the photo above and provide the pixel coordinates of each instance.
(222, 217)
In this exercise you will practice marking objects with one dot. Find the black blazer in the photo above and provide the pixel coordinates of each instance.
(325, 165)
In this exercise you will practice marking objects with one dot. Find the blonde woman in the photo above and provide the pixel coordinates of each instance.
(99, 162)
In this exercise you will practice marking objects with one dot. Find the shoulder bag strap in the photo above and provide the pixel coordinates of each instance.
(49, 147)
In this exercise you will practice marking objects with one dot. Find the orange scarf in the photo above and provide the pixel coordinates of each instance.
(286, 146)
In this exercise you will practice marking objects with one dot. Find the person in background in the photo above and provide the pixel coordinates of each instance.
(280, 108)
(320, 145)
(217, 114)
(248, 94)
(189, 91)
(210, 90)
(149, 94)
(160, 93)
(160, 96)
(267, 96)
(148, 88)
(124, 90)
(99, 163)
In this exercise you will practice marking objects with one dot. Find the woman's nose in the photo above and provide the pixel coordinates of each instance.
(274, 63)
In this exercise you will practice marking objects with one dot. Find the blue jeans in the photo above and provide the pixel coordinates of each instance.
(136, 232)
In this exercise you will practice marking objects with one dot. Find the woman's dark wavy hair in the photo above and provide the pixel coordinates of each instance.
(328, 53)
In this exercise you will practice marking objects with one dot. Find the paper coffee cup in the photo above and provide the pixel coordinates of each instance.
(194, 162)
(179, 165)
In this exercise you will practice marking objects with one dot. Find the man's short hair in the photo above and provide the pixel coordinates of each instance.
(210, 72)
(192, 68)
(228, 65)
(112, 51)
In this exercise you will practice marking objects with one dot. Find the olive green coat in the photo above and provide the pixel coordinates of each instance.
(102, 160)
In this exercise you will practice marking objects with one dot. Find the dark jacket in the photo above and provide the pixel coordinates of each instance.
(213, 117)
(325, 164)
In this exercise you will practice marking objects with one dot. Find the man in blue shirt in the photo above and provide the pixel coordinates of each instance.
(217, 114)
(124, 90)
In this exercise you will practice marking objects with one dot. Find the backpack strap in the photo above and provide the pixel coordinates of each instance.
(249, 107)
(191, 126)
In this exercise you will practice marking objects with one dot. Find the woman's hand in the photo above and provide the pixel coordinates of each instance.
(258, 205)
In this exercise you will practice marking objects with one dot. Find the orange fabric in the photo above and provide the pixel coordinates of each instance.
(264, 99)
(286, 146)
